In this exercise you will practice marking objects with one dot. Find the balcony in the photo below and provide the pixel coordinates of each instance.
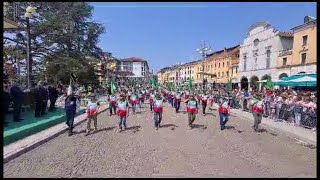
(285, 53)
(10, 16)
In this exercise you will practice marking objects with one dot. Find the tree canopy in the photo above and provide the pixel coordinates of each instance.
(62, 36)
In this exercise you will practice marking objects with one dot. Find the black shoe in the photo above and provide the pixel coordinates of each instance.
(70, 133)
(222, 128)
(21, 119)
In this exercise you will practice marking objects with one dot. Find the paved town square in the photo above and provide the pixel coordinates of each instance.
(171, 151)
(159, 90)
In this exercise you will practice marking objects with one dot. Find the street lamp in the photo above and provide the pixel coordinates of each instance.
(204, 50)
(29, 11)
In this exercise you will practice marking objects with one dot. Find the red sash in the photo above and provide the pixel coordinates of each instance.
(223, 110)
(113, 102)
(256, 109)
(157, 109)
(192, 110)
(90, 113)
(122, 113)
(133, 102)
(151, 100)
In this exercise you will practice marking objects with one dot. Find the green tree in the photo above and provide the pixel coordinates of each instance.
(62, 33)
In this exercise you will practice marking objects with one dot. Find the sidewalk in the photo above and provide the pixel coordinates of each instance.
(299, 133)
(17, 148)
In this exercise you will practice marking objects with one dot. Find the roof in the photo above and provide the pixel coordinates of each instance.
(257, 24)
(134, 59)
(228, 50)
(312, 21)
(285, 34)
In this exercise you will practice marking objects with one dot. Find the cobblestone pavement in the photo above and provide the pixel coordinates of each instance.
(171, 151)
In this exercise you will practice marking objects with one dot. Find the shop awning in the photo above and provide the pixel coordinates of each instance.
(298, 80)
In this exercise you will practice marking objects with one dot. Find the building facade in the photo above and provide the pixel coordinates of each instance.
(303, 57)
(304, 52)
(259, 54)
(138, 68)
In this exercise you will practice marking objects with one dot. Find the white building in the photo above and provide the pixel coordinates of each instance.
(259, 52)
(136, 67)
(186, 71)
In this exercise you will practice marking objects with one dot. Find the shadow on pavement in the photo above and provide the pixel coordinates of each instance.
(264, 130)
(199, 126)
(168, 125)
(134, 128)
(104, 129)
(233, 128)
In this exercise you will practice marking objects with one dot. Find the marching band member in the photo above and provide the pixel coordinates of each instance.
(177, 100)
(224, 111)
(204, 99)
(123, 112)
(192, 109)
(256, 106)
(158, 109)
(112, 103)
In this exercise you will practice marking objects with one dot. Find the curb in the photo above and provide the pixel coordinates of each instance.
(16, 149)
(289, 134)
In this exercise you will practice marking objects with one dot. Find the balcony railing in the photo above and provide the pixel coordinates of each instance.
(285, 52)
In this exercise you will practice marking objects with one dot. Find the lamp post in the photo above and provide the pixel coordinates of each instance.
(29, 11)
(203, 50)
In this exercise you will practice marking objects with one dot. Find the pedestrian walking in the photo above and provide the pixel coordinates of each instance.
(70, 109)
(53, 96)
(92, 113)
(17, 96)
(158, 109)
(45, 98)
(122, 112)
(192, 109)
(256, 106)
(224, 111)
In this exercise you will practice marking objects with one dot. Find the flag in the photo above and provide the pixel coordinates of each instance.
(72, 82)
(269, 84)
(113, 86)
(229, 86)
(190, 84)
(153, 82)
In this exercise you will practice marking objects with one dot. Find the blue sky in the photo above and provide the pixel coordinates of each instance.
(169, 33)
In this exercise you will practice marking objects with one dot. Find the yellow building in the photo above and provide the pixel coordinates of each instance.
(223, 65)
(302, 58)
(304, 52)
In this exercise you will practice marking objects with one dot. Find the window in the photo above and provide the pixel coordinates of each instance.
(223, 64)
(244, 63)
(222, 74)
(227, 74)
(211, 66)
(236, 69)
(268, 58)
(227, 64)
(219, 65)
(215, 65)
(304, 40)
(218, 74)
(303, 58)
(231, 70)
(284, 61)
